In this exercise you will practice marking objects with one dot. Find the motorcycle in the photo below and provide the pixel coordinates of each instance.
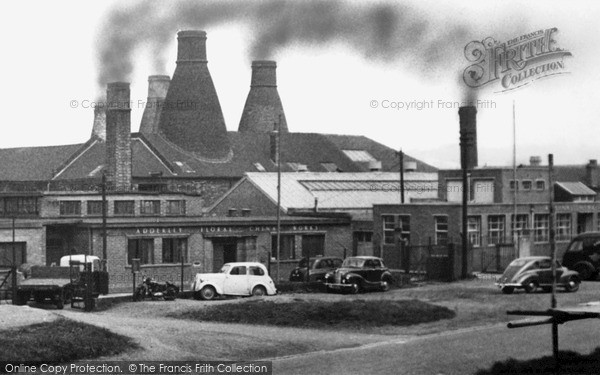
(155, 290)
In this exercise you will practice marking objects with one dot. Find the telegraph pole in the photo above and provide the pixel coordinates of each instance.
(278, 196)
(553, 255)
(401, 157)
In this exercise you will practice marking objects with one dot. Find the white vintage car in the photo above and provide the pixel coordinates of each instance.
(234, 279)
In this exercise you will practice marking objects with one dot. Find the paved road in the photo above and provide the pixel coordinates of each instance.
(457, 352)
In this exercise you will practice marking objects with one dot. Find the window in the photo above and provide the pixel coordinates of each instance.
(441, 230)
(495, 229)
(124, 207)
(520, 225)
(239, 270)
(70, 208)
(474, 230)
(176, 207)
(298, 167)
(94, 208)
(256, 271)
(6, 253)
(259, 167)
(363, 236)
(512, 185)
(18, 206)
(393, 224)
(287, 245)
(142, 249)
(563, 227)
(313, 245)
(540, 185)
(330, 167)
(540, 227)
(527, 185)
(174, 249)
(150, 207)
(359, 155)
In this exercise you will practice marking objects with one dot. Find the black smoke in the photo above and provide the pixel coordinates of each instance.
(383, 32)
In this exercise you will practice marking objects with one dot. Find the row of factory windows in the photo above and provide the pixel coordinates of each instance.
(527, 185)
(122, 207)
(174, 250)
(496, 228)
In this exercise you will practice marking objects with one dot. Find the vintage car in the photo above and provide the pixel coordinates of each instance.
(359, 274)
(583, 255)
(234, 279)
(532, 272)
(317, 268)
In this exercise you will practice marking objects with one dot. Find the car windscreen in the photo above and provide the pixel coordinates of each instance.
(518, 263)
(576, 245)
(353, 263)
(302, 263)
(225, 268)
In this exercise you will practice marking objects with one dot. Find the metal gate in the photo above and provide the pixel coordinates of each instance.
(496, 258)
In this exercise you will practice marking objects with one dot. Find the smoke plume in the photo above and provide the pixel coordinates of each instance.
(382, 32)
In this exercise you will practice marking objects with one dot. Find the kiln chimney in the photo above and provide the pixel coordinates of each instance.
(468, 137)
(99, 127)
(191, 117)
(118, 136)
(263, 105)
(158, 85)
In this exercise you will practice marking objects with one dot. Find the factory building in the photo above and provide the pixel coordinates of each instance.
(162, 181)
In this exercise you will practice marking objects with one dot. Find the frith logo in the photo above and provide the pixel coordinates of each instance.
(516, 62)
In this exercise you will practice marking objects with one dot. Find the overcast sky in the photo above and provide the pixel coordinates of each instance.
(50, 59)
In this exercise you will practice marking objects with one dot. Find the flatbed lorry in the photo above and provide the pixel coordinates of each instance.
(65, 283)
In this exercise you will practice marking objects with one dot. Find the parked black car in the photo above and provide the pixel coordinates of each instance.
(529, 273)
(318, 267)
(583, 255)
(358, 274)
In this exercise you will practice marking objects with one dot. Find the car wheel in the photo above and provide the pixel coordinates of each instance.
(508, 290)
(584, 269)
(530, 286)
(259, 291)
(572, 285)
(207, 293)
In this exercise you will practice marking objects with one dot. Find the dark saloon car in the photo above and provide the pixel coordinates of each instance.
(359, 274)
(530, 273)
(317, 268)
(583, 255)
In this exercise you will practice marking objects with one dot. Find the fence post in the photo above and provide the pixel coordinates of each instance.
(406, 250)
(498, 258)
(451, 265)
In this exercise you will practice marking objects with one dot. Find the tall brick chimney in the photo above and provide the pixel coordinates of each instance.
(99, 127)
(592, 173)
(263, 105)
(192, 118)
(158, 85)
(468, 136)
(118, 137)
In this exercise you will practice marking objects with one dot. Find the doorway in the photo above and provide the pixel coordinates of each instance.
(224, 251)
(584, 222)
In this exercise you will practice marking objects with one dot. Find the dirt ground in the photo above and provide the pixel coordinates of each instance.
(477, 303)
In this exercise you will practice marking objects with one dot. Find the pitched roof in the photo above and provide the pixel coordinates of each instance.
(576, 188)
(152, 153)
(33, 163)
(342, 191)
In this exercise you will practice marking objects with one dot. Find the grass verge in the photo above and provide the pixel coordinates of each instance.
(60, 341)
(570, 363)
(322, 314)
